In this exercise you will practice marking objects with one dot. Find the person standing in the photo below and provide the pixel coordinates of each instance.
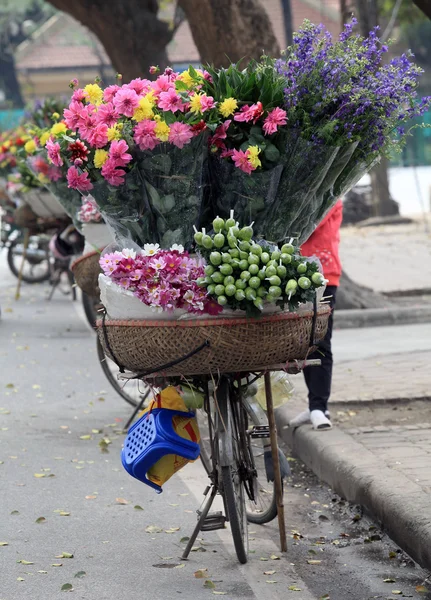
(323, 244)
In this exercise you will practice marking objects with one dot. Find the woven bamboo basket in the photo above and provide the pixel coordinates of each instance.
(86, 270)
(234, 345)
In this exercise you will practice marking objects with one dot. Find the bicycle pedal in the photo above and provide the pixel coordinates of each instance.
(259, 431)
(213, 521)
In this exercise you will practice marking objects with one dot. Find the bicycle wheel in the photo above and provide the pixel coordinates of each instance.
(36, 265)
(229, 426)
(91, 305)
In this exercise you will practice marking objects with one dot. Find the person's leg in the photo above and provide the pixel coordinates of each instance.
(319, 379)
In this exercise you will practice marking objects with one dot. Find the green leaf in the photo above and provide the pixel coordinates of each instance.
(15, 512)
(25, 562)
(209, 585)
(20, 579)
(67, 587)
(4, 543)
(80, 574)
(181, 86)
(137, 507)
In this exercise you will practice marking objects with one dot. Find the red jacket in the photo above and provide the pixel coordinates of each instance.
(324, 243)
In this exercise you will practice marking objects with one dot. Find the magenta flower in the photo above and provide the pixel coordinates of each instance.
(162, 84)
(73, 114)
(145, 136)
(54, 173)
(220, 134)
(240, 159)
(170, 100)
(87, 122)
(250, 113)
(118, 153)
(113, 175)
(125, 101)
(207, 103)
(53, 149)
(98, 137)
(154, 70)
(180, 134)
(78, 95)
(107, 114)
(78, 181)
(140, 86)
(275, 118)
(110, 92)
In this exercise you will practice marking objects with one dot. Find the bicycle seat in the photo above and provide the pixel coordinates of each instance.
(151, 438)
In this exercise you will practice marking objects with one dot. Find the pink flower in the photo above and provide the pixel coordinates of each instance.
(98, 136)
(250, 113)
(240, 159)
(207, 103)
(170, 100)
(78, 181)
(109, 92)
(220, 134)
(207, 76)
(107, 114)
(125, 101)
(275, 118)
(73, 114)
(154, 70)
(180, 134)
(78, 95)
(40, 165)
(162, 84)
(113, 175)
(145, 136)
(53, 149)
(118, 153)
(140, 85)
(87, 122)
(158, 262)
(54, 173)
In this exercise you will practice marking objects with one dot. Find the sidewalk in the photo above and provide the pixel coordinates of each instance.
(378, 454)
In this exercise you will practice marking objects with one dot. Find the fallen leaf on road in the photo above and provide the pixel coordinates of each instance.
(314, 562)
(4, 543)
(274, 557)
(268, 572)
(121, 501)
(209, 585)
(392, 554)
(65, 555)
(153, 529)
(96, 431)
(396, 592)
(421, 589)
(270, 581)
(80, 574)
(67, 587)
(25, 562)
(201, 573)
(172, 529)
(137, 507)
(85, 437)
(64, 513)
(43, 572)
(262, 558)
(181, 566)
(293, 588)
(183, 540)
(36, 386)
(57, 565)
(20, 579)
(389, 580)
(39, 475)
(15, 512)
(219, 593)
(90, 497)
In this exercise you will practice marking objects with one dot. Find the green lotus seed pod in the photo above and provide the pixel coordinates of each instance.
(230, 290)
(256, 249)
(208, 279)
(228, 280)
(276, 255)
(261, 292)
(253, 259)
(271, 271)
(291, 286)
(210, 289)
(245, 275)
(275, 291)
(234, 230)
(258, 302)
(244, 246)
(243, 255)
(265, 258)
(226, 258)
(253, 269)
(240, 284)
(287, 249)
(226, 269)
(250, 293)
(262, 274)
(246, 233)
(234, 252)
(302, 268)
(286, 259)
(304, 283)
(235, 263)
(274, 280)
(230, 223)
(219, 240)
(272, 263)
(207, 242)
(318, 279)
(198, 237)
(254, 282)
(281, 271)
(243, 264)
(201, 281)
(217, 277)
(215, 258)
(239, 295)
(222, 300)
(232, 241)
(209, 270)
(219, 289)
(218, 224)
(270, 298)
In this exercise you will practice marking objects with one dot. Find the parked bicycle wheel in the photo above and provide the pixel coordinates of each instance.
(37, 262)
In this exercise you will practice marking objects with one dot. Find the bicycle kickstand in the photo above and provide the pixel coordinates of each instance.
(200, 523)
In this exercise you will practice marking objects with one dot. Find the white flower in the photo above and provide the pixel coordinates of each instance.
(150, 249)
(128, 253)
(178, 248)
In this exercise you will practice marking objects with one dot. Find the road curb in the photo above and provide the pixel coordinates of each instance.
(354, 473)
(378, 317)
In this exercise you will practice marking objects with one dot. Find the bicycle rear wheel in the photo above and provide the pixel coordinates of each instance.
(229, 425)
(36, 264)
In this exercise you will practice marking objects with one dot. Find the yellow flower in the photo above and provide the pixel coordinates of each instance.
(144, 110)
(7, 144)
(94, 93)
(162, 131)
(58, 128)
(195, 104)
(55, 115)
(13, 149)
(228, 107)
(44, 138)
(114, 133)
(186, 78)
(253, 156)
(100, 158)
(43, 178)
(30, 147)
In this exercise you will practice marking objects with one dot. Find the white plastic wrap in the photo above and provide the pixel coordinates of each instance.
(97, 236)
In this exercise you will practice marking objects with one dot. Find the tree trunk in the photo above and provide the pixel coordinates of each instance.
(383, 204)
(227, 31)
(9, 81)
(351, 295)
(133, 36)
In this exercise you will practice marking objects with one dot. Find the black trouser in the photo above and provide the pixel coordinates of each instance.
(318, 379)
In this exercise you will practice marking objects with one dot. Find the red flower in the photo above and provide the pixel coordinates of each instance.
(199, 127)
(250, 113)
(78, 150)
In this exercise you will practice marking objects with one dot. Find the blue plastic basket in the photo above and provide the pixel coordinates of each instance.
(151, 438)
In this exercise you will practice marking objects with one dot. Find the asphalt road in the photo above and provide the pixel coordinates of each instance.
(60, 495)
